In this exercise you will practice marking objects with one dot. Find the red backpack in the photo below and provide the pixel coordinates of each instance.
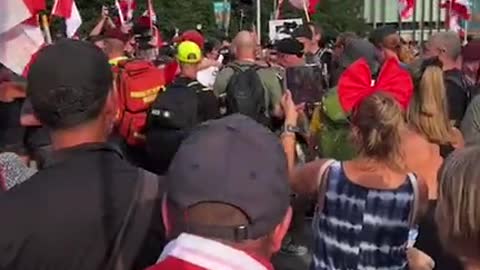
(138, 82)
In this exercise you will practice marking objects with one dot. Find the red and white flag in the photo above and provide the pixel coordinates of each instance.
(127, 7)
(20, 33)
(457, 11)
(405, 8)
(460, 8)
(68, 10)
(151, 13)
(310, 5)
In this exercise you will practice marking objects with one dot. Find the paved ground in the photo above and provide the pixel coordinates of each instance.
(286, 262)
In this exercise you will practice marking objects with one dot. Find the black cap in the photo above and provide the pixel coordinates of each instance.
(303, 31)
(234, 161)
(66, 78)
(289, 46)
(356, 49)
(377, 36)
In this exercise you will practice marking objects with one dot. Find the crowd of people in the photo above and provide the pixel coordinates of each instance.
(122, 151)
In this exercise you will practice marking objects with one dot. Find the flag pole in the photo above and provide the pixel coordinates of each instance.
(259, 27)
(46, 29)
(305, 9)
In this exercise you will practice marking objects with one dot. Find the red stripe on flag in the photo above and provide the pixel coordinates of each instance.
(35, 6)
(63, 8)
(312, 7)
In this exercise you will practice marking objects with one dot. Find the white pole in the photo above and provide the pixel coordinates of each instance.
(259, 27)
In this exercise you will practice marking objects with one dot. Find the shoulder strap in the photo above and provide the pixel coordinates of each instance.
(420, 200)
(416, 200)
(322, 182)
(135, 222)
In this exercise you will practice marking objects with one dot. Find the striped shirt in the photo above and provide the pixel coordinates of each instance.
(362, 228)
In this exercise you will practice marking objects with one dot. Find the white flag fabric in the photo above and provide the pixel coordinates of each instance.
(20, 38)
(12, 13)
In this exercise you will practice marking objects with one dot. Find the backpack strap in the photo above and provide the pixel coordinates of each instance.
(135, 222)
(322, 182)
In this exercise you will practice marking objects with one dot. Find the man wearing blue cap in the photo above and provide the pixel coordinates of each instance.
(228, 209)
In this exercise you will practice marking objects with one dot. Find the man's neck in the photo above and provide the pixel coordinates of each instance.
(68, 138)
(247, 59)
(315, 49)
(449, 65)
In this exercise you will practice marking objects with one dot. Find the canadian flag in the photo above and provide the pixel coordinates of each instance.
(405, 8)
(68, 10)
(20, 33)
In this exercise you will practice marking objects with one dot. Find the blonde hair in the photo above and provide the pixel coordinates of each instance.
(458, 208)
(428, 112)
(377, 122)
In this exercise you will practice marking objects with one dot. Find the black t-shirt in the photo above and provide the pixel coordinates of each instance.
(11, 131)
(429, 242)
(67, 215)
(457, 95)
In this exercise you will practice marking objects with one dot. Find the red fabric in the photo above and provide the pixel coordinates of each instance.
(458, 8)
(193, 36)
(312, 7)
(355, 84)
(116, 33)
(407, 7)
(171, 71)
(35, 6)
(32, 59)
(127, 7)
(62, 8)
(173, 263)
(139, 83)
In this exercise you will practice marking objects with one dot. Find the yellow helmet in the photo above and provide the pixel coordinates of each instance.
(189, 52)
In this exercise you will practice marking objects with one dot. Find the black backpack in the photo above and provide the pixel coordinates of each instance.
(245, 93)
(173, 114)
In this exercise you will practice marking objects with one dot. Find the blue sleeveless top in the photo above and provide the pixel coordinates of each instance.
(362, 228)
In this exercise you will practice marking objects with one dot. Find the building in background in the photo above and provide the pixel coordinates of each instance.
(427, 17)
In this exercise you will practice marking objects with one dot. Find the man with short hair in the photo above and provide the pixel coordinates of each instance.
(113, 43)
(70, 215)
(244, 47)
(184, 104)
(387, 40)
(447, 46)
(230, 209)
(311, 35)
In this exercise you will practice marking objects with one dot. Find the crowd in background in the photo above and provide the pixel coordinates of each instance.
(128, 151)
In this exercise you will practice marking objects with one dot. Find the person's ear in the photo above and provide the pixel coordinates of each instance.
(281, 231)
(111, 104)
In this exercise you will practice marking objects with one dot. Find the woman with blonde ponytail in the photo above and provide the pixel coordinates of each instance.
(428, 112)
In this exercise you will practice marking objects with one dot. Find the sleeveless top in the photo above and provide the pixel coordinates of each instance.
(362, 228)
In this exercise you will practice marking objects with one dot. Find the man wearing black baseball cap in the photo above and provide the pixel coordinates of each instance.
(71, 214)
(290, 52)
(228, 209)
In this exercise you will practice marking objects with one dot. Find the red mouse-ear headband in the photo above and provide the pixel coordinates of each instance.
(356, 83)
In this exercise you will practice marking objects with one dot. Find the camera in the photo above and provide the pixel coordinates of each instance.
(288, 28)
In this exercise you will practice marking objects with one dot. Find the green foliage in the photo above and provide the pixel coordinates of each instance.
(338, 16)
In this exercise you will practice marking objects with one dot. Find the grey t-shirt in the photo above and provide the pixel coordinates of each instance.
(470, 126)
